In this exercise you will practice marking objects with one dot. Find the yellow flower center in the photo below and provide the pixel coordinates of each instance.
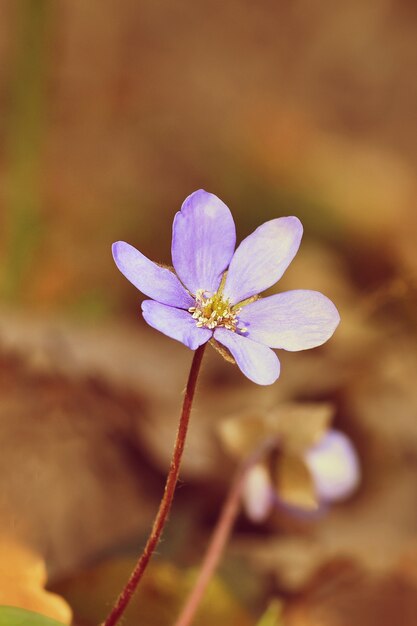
(211, 311)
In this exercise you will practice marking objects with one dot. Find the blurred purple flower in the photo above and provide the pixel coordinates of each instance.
(214, 293)
(258, 494)
(333, 465)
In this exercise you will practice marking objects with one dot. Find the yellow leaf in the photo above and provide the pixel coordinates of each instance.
(22, 581)
(294, 482)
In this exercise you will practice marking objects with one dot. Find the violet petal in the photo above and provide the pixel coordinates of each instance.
(293, 320)
(258, 362)
(152, 280)
(262, 258)
(203, 241)
(175, 323)
(334, 465)
(257, 494)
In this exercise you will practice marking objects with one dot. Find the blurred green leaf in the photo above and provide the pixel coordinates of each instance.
(23, 144)
(13, 616)
(272, 616)
(159, 599)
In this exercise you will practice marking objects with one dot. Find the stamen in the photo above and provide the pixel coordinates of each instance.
(212, 311)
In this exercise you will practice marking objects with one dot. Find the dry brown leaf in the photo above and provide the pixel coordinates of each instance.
(69, 480)
(342, 594)
(241, 435)
(297, 426)
(300, 425)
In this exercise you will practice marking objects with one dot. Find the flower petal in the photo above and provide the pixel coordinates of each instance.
(154, 281)
(257, 494)
(203, 241)
(334, 465)
(293, 320)
(175, 323)
(262, 258)
(259, 363)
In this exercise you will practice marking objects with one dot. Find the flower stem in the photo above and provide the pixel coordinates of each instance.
(166, 502)
(220, 535)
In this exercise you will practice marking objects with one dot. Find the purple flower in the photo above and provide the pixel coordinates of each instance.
(333, 465)
(214, 292)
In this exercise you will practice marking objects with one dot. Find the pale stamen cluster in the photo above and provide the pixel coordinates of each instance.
(211, 311)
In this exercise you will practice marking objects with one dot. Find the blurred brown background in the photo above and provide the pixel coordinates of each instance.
(111, 113)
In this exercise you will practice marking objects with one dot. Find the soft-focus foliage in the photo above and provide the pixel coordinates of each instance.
(272, 616)
(158, 601)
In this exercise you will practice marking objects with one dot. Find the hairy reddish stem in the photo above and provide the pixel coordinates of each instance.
(220, 536)
(166, 502)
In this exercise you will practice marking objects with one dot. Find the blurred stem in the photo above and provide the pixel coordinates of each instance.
(166, 502)
(220, 536)
(24, 143)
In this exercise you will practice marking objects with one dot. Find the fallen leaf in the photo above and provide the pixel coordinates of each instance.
(342, 594)
(69, 473)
